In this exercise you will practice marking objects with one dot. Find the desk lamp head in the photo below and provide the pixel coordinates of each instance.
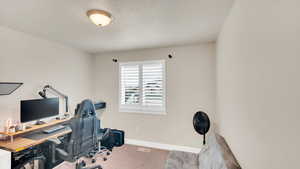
(56, 92)
(43, 94)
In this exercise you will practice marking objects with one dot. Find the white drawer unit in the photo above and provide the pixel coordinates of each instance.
(5, 159)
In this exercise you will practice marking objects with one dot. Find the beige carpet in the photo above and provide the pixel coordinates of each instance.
(130, 157)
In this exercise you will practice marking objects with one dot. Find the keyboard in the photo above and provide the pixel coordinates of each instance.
(54, 129)
(41, 134)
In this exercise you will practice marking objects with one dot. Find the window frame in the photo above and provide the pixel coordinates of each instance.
(140, 108)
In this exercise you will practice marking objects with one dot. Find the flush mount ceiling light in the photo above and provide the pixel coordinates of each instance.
(99, 17)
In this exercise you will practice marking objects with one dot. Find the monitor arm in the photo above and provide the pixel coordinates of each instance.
(48, 87)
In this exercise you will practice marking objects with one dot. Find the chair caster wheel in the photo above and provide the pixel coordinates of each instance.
(83, 163)
(104, 159)
(108, 153)
(93, 160)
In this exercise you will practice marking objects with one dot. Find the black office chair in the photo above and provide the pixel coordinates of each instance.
(84, 141)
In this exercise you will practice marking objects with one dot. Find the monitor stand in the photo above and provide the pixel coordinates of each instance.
(39, 122)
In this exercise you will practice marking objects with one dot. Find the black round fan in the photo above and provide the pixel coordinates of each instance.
(201, 123)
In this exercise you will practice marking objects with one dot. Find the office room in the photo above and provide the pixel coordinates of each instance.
(149, 84)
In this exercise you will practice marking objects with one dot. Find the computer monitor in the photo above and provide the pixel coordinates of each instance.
(39, 108)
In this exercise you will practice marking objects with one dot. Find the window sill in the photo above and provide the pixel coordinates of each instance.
(142, 112)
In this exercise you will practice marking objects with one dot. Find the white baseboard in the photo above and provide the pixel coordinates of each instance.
(162, 146)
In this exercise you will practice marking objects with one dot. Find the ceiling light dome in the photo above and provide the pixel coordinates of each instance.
(99, 17)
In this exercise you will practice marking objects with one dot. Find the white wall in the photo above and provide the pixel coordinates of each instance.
(190, 87)
(37, 62)
(258, 67)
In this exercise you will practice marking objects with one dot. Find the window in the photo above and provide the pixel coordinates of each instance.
(142, 87)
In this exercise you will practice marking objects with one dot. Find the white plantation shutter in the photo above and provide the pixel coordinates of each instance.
(153, 84)
(142, 87)
(130, 88)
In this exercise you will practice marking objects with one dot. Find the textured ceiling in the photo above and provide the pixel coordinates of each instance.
(136, 23)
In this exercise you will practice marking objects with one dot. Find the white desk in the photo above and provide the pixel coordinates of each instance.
(5, 159)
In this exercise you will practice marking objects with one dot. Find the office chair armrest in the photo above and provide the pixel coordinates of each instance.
(55, 141)
(62, 154)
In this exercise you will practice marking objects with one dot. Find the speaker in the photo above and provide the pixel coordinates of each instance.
(100, 105)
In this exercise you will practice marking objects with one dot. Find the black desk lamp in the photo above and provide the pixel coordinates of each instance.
(48, 87)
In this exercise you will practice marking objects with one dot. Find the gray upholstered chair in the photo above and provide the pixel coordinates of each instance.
(84, 140)
(216, 154)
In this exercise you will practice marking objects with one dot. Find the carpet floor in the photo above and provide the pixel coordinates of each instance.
(129, 157)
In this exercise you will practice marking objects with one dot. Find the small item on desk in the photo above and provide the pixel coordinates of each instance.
(63, 117)
(24, 127)
(60, 118)
(8, 124)
(19, 126)
(12, 129)
(66, 115)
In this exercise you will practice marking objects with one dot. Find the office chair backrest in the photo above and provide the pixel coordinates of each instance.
(85, 108)
(85, 127)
